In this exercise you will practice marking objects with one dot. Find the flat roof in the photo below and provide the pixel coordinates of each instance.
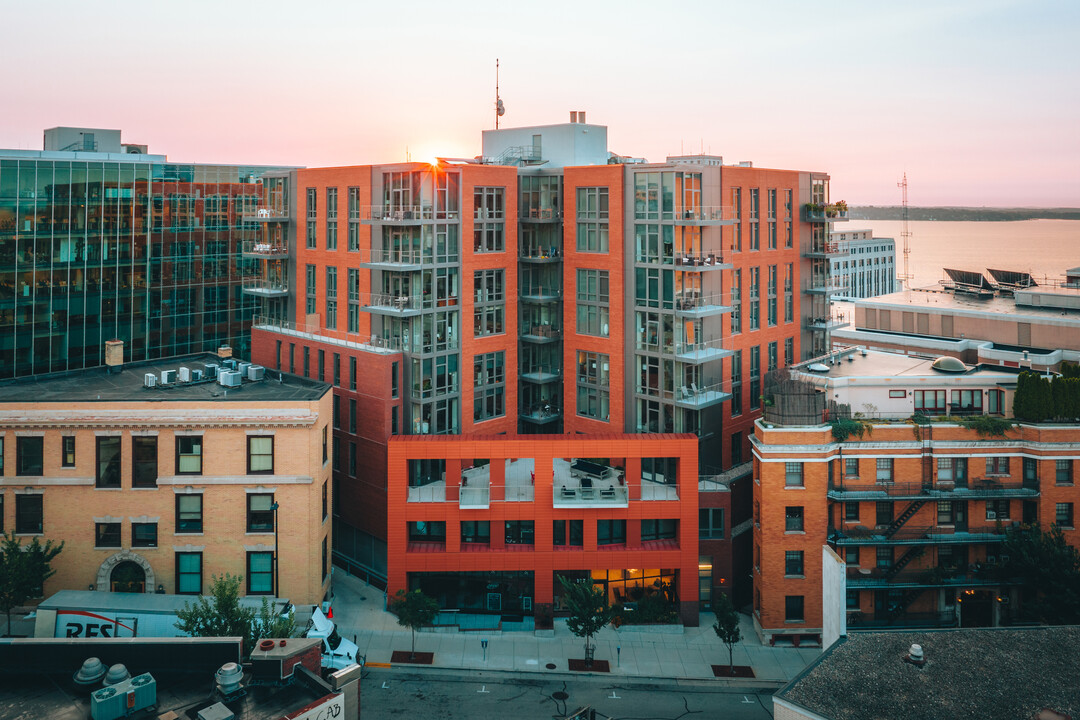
(856, 363)
(991, 672)
(97, 385)
(932, 299)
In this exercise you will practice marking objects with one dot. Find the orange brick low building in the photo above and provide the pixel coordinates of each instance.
(484, 524)
(156, 489)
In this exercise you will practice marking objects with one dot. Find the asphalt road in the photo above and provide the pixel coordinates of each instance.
(393, 693)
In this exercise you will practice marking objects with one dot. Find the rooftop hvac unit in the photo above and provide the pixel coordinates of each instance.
(185, 374)
(149, 380)
(196, 375)
(211, 370)
(242, 368)
(256, 372)
(123, 699)
(230, 363)
(168, 376)
(229, 378)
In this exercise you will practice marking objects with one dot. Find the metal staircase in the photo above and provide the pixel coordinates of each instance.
(909, 511)
(517, 155)
(914, 552)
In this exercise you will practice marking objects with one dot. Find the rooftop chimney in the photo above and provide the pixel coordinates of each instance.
(114, 356)
(224, 352)
(573, 116)
(581, 116)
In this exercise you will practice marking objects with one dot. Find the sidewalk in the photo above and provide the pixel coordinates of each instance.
(358, 611)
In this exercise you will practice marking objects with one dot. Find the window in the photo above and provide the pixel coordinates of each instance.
(189, 514)
(352, 373)
(352, 416)
(260, 459)
(755, 298)
(967, 402)
(144, 469)
(884, 557)
(929, 401)
(793, 474)
(793, 519)
(260, 572)
(393, 380)
(1, 456)
(354, 219)
(997, 466)
(312, 214)
(851, 467)
(67, 451)
(884, 470)
(476, 531)
(489, 384)
(736, 383)
(755, 377)
(789, 292)
(851, 554)
(189, 573)
(945, 515)
(490, 303)
(107, 535)
(310, 289)
(592, 302)
(772, 356)
(884, 512)
(189, 455)
(29, 515)
(325, 557)
(429, 531)
(353, 296)
(260, 513)
(29, 455)
(592, 215)
(711, 523)
(793, 608)
(1031, 472)
(793, 563)
(352, 461)
(519, 532)
(331, 301)
(852, 596)
(789, 351)
(610, 532)
(995, 402)
(1063, 472)
(322, 366)
(998, 509)
(1063, 514)
(325, 499)
(593, 399)
(771, 288)
(736, 302)
(576, 529)
(659, 530)
(851, 511)
(331, 218)
(144, 535)
(325, 445)
(108, 462)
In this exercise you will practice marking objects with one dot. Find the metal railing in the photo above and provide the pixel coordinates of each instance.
(264, 211)
(700, 260)
(694, 393)
(390, 301)
(264, 285)
(692, 301)
(541, 214)
(861, 534)
(262, 249)
(315, 331)
(699, 347)
(609, 494)
(405, 213)
(833, 211)
(540, 330)
(540, 253)
(541, 291)
(541, 369)
(983, 487)
(392, 256)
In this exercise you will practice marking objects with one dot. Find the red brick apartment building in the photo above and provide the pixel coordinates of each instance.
(916, 513)
(607, 297)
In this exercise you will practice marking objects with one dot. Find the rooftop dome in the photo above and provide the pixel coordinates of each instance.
(949, 364)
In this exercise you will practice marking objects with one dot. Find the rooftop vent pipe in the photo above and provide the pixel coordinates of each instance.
(915, 655)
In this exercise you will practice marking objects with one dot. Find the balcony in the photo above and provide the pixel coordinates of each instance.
(695, 398)
(974, 489)
(933, 535)
(540, 255)
(977, 575)
(823, 323)
(707, 215)
(827, 285)
(859, 621)
(399, 259)
(701, 351)
(819, 212)
(577, 483)
(658, 491)
(540, 215)
(474, 493)
(701, 262)
(541, 373)
(695, 305)
(265, 214)
(404, 214)
(266, 251)
(828, 250)
(541, 293)
(367, 343)
(539, 333)
(540, 414)
(266, 288)
(390, 304)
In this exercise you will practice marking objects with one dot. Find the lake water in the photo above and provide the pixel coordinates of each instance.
(1044, 248)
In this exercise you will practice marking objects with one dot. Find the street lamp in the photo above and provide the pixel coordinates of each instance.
(274, 506)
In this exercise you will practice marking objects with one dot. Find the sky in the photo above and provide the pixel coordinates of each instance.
(978, 101)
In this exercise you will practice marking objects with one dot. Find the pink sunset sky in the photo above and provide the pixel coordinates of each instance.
(977, 100)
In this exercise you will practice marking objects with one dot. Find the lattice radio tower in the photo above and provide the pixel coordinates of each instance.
(905, 234)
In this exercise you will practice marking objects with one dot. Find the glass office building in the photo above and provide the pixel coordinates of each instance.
(97, 246)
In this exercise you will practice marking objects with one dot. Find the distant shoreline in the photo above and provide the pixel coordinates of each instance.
(978, 214)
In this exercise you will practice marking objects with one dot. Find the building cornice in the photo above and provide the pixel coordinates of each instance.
(143, 419)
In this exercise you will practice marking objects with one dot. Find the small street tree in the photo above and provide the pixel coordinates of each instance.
(589, 612)
(270, 624)
(222, 616)
(414, 610)
(24, 568)
(1049, 568)
(726, 627)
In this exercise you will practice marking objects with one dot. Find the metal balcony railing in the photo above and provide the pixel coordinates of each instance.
(264, 250)
(316, 332)
(391, 302)
(971, 488)
(404, 213)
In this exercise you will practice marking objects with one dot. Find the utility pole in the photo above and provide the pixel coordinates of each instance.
(905, 234)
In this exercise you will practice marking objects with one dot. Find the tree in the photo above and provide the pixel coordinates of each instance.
(589, 611)
(1050, 571)
(726, 627)
(414, 610)
(222, 616)
(23, 571)
(270, 624)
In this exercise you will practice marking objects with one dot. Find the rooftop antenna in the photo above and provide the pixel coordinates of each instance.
(905, 234)
(500, 109)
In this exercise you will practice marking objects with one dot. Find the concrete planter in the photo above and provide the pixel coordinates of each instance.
(659, 629)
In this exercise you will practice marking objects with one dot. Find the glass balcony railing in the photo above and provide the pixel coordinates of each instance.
(264, 250)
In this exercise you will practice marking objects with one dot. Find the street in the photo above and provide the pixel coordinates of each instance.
(388, 693)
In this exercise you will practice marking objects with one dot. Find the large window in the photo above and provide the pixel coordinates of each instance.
(108, 462)
(260, 460)
(1063, 472)
(793, 608)
(793, 563)
(793, 474)
(883, 514)
(592, 302)
(67, 451)
(593, 399)
(189, 514)
(331, 298)
(427, 531)
(189, 455)
(659, 530)
(144, 535)
(884, 470)
(310, 289)
(354, 219)
(1, 457)
(929, 401)
(997, 465)
(755, 377)
(793, 518)
(107, 535)
(488, 387)
(260, 513)
(312, 214)
(490, 302)
(711, 523)
(260, 572)
(610, 532)
(592, 216)
(189, 573)
(519, 532)
(331, 218)
(1063, 515)
(29, 515)
(476, 532)
(144, 461)
(569, 533)
(29, 455)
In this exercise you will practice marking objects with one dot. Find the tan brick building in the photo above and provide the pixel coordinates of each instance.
(160, 488)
